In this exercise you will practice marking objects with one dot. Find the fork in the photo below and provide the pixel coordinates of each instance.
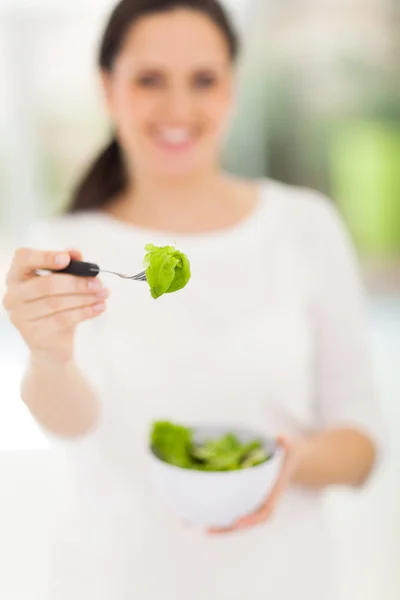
(86, 269)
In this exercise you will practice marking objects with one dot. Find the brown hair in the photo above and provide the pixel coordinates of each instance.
(106, 177)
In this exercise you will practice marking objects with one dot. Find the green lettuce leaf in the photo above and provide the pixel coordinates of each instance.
(172, 443)
(167, 269)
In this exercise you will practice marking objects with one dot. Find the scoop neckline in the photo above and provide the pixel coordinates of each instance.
(203, 236)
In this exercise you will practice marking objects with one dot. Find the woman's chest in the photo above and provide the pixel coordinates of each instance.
(208, 357)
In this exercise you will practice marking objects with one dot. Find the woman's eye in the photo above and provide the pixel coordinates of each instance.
(204, 81)
(149, 81)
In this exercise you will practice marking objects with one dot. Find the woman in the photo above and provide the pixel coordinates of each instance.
(269, 333)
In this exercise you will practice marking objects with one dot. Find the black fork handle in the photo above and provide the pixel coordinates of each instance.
(81, 269)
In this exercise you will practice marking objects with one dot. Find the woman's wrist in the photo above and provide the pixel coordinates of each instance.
(302, 450)
(43, 361)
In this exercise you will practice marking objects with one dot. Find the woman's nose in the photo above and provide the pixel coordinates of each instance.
(179, 104)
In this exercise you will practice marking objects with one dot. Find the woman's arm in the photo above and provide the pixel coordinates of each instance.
(346, 444)
(60, 398)
(46, 311)
(333, 457)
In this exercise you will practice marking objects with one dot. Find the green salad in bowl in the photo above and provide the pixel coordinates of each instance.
(176, 445)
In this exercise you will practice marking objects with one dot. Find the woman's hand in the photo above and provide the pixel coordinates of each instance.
(47, 309)
(326, 458)
(265, 512)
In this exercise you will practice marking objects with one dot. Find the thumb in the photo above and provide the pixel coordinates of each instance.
(74, 254)
(285, 473)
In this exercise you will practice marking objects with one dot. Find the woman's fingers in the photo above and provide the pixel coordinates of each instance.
(51, 305)
(27, 261)
(58, 285)
(42, 331)
(69, 319)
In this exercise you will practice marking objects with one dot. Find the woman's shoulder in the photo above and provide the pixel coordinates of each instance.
(310, 219)
(309, 212)
(296, 201)
(291, 201)
(60, 229)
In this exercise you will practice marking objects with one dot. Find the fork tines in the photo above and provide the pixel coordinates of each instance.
(140, 276)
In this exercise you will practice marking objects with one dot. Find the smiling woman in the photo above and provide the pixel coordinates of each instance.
(168, 86)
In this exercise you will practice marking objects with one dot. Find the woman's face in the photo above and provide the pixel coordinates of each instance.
(170, 93)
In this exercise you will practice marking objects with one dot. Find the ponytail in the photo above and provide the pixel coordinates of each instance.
(105, 179)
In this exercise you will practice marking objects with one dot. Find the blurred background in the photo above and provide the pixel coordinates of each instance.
(318, 106)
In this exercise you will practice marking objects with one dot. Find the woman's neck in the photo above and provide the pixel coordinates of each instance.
(180, 193)
(179, 204)
(188, 205)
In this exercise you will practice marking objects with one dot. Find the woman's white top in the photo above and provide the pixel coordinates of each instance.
(271, 334)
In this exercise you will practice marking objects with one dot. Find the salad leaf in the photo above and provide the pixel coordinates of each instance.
(221, 454)
(167, 269)
(254, 458)
(172, 443)
(175, 445)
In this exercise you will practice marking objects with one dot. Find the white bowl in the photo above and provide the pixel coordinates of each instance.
(216, 499)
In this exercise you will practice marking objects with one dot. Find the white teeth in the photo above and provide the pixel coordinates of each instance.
(175, 136)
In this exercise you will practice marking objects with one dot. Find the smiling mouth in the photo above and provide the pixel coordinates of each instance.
(176, 139)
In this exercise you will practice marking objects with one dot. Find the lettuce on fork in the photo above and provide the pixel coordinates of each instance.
(167, 269)
(174, 444)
